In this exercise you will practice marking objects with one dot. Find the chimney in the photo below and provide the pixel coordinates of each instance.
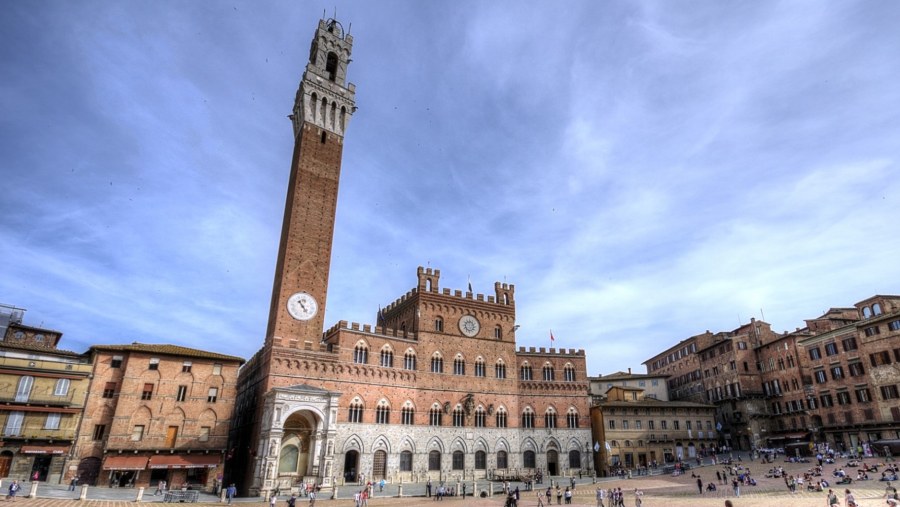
(629, 371)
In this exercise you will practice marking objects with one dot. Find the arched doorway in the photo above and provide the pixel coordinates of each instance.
(574, 459)
(5, 461)
(351, 462)
(88, 471)
(379, 465)
(552, 462)
(294, 458)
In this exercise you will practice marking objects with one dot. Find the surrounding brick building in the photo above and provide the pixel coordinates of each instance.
(634, 431)
(435, 389)
(782, 421)
(850, 359)
(732, 382)
(833, 382)
(721, 369)
(653, 386)
(156, 412)
(681, 365)
(43, 390)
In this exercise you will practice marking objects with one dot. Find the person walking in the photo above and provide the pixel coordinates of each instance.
(849, 499)
(74, 483)
(832, 499)
(312, 498)
(700, 485)
(540, 497)
(230, 491)
(600, 496)
(890, 492)
(13, 489)
(736, 487)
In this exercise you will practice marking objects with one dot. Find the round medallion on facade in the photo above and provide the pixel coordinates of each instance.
(302, 306)
(469, 325)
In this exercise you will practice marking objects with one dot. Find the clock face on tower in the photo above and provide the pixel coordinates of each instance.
(469, 325)
(302, 306)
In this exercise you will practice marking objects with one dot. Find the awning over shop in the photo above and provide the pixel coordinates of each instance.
(186, 461)
(44, 449)
(795, 436)
(125, 463)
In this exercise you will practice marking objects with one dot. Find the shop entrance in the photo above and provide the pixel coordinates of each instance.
(122, 479)
(41, 467)
(158, 474)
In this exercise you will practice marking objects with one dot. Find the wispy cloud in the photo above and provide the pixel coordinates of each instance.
(639, 171)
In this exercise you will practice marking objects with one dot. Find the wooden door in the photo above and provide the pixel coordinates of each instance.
(379, 465)
(5, 461)
(171, 436)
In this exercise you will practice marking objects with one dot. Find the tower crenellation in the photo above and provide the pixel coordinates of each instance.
(323, 99)
(429, 279)
(505, 293)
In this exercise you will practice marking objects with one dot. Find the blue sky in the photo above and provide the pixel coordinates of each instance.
(641, 171)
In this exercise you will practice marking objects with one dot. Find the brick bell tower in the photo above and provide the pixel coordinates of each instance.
(322, 110)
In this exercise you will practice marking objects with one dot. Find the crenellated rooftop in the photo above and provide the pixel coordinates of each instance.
(387, 332)
(550, 351)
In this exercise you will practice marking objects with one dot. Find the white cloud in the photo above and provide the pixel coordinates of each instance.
(642, 173)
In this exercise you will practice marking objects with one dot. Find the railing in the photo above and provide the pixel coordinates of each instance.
(38, 399)
(39, 433)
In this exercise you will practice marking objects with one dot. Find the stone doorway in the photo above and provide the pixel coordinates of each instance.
(351, 462)
(552, 462)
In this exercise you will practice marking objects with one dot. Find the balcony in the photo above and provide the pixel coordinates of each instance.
(32, 433)
(43, 399)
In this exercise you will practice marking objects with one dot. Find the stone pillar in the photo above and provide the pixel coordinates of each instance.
(140, 494)
(400, 490)
(33, 492)
(222, 495)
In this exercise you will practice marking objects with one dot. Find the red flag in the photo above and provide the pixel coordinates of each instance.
(551, 336)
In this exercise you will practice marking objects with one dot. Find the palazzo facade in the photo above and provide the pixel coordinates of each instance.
(435, 388)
